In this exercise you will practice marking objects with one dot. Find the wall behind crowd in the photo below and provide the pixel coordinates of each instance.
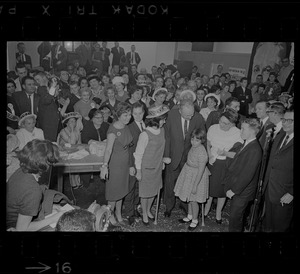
(152, 53)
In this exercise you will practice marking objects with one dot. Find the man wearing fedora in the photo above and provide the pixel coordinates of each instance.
(178, 128)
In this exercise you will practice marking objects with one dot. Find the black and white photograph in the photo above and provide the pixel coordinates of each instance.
(140, 136)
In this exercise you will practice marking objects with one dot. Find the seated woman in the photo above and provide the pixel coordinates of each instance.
(24, 194)
(70, 135)
(28, 131)
(93, 130)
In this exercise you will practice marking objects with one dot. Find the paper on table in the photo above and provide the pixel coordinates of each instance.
(66, 207)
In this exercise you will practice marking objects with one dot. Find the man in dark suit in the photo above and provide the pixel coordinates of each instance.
(243, 94)
(106, 53)
(44, 50)
(21, 57)
(48, 116)
(21, 71)
(241, 177)
(200, 102)
(117, 53)
(279, 179)
(133, 58)
(59, 56)
(27, 100)
(178, 128)
(136, 127)
(265, 123)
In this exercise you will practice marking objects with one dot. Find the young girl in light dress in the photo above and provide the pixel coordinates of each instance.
(192, 183)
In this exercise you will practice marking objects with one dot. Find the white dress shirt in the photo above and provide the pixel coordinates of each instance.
(182, 125)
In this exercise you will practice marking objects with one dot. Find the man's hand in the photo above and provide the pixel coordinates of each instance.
(230, 194)
(132, 171)
(286, 199)
(167, 160)
(138, 174)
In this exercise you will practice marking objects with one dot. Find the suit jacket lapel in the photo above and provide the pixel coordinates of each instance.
(290, 143)
(178, 124)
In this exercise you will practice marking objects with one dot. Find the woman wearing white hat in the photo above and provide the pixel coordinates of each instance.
(119, 84)
(28, 131)
(158, 97)
(149, 159)
(212, 101)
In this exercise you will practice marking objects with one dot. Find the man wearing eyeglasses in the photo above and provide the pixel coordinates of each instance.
(276, 113)
(279, 179)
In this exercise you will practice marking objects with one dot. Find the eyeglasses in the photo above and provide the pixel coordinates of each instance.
(287, 120)
(270, 111)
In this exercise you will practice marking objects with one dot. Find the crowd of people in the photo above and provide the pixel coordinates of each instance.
(193, 137)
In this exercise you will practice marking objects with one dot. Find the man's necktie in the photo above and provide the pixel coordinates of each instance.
(142, 126)
(31, 107)
(261, 124)
(131, 57)
(185, 128)
(285, 141)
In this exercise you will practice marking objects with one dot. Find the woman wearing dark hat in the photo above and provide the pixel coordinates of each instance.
(220, 139)
(95, 128)
(149, 159)
(28, 131)
(116, 165)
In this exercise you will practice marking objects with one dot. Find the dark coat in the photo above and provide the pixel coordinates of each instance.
(197, 107)
(116, 55)
(279, 178)
(176, 146)
(48, 116)
(137, 57)
(61, 57)
(43, 50)
(262, 134)
(27, 59)
(244, 100)
(135, 132)
(23, 104)
(89, 132)
(106, 62)
(243, 171)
